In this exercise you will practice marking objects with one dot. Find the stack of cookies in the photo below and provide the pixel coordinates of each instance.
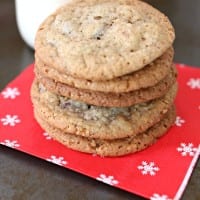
(105, 81)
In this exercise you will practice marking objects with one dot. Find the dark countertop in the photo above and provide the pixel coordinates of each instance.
(25, 177)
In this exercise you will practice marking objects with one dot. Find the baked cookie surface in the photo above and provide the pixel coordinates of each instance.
(146, 77)
(99, 122)
(103, 39)
(117, 147)
(111, 99)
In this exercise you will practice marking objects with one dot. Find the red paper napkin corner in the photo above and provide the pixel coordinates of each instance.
(174, 155)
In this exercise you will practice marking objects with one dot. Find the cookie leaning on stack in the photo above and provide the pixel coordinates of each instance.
(105, 82)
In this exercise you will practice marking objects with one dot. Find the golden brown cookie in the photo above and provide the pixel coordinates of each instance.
(111, 99)
(148, 76)
(103, 39)
(99, 122)
(117, 147)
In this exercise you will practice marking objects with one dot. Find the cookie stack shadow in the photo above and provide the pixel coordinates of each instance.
(96, 100)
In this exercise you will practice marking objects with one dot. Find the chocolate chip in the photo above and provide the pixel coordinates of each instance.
(97, 17)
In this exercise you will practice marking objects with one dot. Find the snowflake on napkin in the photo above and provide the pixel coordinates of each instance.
(9, 120)
(148, 168)
(47, 136)
(159, 197)
(182, 65)
(59, 161)
(11, 93)
(179, 121)
(107, 179)
(11, 144)
(194, 83)
(187, 149)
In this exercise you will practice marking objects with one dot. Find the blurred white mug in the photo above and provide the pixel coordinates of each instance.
(31, 13)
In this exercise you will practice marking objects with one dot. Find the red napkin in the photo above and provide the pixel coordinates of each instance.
(147, 173)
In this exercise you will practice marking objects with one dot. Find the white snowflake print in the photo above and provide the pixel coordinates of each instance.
(11, 144)
(10, 120)
(182, 65)
(159, 197)
(179, 121)
(148, 168)
(47, 136)
(57, 160)
(107, 179)
(11, 93)
(187, 149)
(194, 83)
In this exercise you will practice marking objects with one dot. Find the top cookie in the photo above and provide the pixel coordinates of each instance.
(103, 39)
